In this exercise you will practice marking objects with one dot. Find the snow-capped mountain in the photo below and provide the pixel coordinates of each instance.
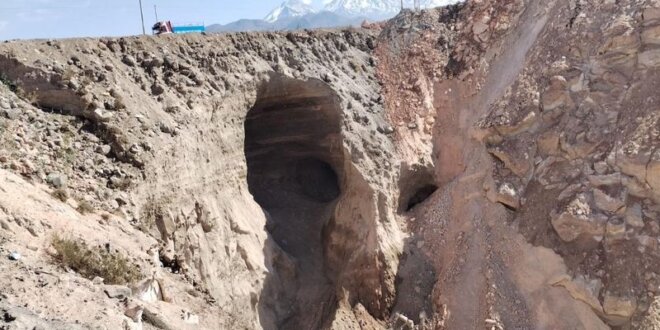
(379, 9)
(310, 14)
(375, 9)
(289, 9)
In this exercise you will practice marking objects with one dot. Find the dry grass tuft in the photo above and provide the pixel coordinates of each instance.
(85, 207)
(61, 194)
(90, 262)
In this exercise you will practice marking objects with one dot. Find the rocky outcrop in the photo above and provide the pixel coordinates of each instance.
(163, 136)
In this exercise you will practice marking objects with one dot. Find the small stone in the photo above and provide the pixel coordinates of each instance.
(117, 291)
(616, 228)
(113, 204)
(4, 225)
(633, 216)
(619, 306)
(11, 114)
(387, 129)
(605, 180)
(102, 115)
(190, 318)
(167, 129)
(134, 313)
(97, 280)
(601, 167)
(128, 60)
(103, 149)
(157, 89)
(56, 180)
(15, 256)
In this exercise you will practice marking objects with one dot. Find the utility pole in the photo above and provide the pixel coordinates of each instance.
(156, 11)
(142, 17)
(401, 5)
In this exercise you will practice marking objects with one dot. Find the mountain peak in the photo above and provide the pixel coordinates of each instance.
(290, 8)
(367, 8)
(379, 9)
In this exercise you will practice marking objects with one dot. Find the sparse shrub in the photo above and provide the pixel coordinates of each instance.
(90, 262)
(151, 210)
(68, 75)
(8, 82)
(67, 154)
(30, 97)
(123, 184)
(61, 194)
(355, 67)
(84, 207)
(119, 102)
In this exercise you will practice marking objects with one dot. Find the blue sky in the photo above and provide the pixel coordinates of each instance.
(28, 19)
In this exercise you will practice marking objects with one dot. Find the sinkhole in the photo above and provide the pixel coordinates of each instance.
(294, 161)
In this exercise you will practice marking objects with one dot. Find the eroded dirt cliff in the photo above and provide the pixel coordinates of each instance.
(492, 164)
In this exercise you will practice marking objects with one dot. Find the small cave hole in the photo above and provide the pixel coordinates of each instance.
(421, 195)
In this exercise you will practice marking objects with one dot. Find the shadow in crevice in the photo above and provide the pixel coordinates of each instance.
(415, 280)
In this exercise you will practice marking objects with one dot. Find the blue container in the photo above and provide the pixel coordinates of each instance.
(189, 29)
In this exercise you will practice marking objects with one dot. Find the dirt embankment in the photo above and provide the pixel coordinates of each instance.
(492, 165)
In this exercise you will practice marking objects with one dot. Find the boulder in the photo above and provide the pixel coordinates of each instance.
(606, 202)
(651, 14)
(653, 172)
(134, 312)
(618, 308)
(165, 224)
(605, 180)
(508, 195)
(578, 220)
(548, 143)
(651, 36)
(515, 157)
(650, 58)
(633, 216)
(583, 289)
(556, 95)
(151, 290)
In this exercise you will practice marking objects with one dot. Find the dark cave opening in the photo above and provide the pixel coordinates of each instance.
(421, 195)
(292, 134)
(416, 185)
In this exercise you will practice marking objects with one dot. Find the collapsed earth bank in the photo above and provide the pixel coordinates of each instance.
(490, 164)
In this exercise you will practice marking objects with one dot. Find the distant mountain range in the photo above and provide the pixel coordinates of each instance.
(302, 14)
